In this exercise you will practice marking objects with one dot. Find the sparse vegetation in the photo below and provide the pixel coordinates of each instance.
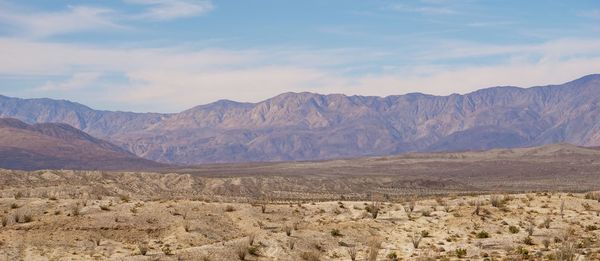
(497, 201)
(241, 250)
(352, 253)
(374, 247)
(483, 234)
(336, 232)
(373, 209)
(142, 248)
(460, 252)
(416, 239)
(324, 235)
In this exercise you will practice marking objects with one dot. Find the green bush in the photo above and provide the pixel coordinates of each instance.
(460, 252)
(483, 234)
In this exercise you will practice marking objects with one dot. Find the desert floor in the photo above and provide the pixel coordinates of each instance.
(535, 226)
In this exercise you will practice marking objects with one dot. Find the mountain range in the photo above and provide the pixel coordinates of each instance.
(309, 126)
(60, 146)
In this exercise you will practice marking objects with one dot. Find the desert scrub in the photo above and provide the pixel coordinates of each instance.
(415, 239)
(336, 232)
(392, 256)
(352, 253)
(547, 222)
(75, 210)
(142, 248)
(497, 201)
(23, 217)
(253, 250)
(530, 228)
(241, 250)
(483, 234)
(251, 238)
(166, 249)
(460, 252)
(513, 229)
(591, 228)
(229, 208)
(374, 246)
(528, 241)
(310, 256)
(288, 230)
(373, 209)
(546, 242)
(124, 198)
(291, 243)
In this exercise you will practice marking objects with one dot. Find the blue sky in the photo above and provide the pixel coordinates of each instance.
(169, 55)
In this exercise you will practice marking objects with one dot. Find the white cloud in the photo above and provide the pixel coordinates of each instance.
(80, 18)
(172, 9)
(172, 79)
(74, 19)
(76, 81)
(593, 13)
(426, 10)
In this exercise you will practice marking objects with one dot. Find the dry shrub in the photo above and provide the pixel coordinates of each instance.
(23, 217)
(288, 230)
(311, 255)
(374, 209)
(352, 253)
(143, 248)
(497, 201)
(530, 228)
(263, 208)
(75, 210)
(374, 245)
(566, 252)
(125, 198)
(251, 238)
(292, 243)
(415, 239)
(547, 222)
(96, 239)
(241, 250)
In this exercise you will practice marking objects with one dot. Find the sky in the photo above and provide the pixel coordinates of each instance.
(171, 55)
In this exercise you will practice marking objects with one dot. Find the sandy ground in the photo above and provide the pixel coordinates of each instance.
(487, 227)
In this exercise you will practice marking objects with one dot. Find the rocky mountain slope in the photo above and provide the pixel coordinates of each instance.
(60, 146)
(306, 126)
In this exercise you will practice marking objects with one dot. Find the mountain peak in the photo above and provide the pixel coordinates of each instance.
(310, 126)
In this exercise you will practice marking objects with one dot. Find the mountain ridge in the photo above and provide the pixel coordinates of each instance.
(61, 146)
(310, 126)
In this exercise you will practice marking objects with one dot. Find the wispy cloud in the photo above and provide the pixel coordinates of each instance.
(594, 13)
(172, 9)
(29, 23)
(425, 10)
(176, 78)
(78, 80)
(40, 24)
